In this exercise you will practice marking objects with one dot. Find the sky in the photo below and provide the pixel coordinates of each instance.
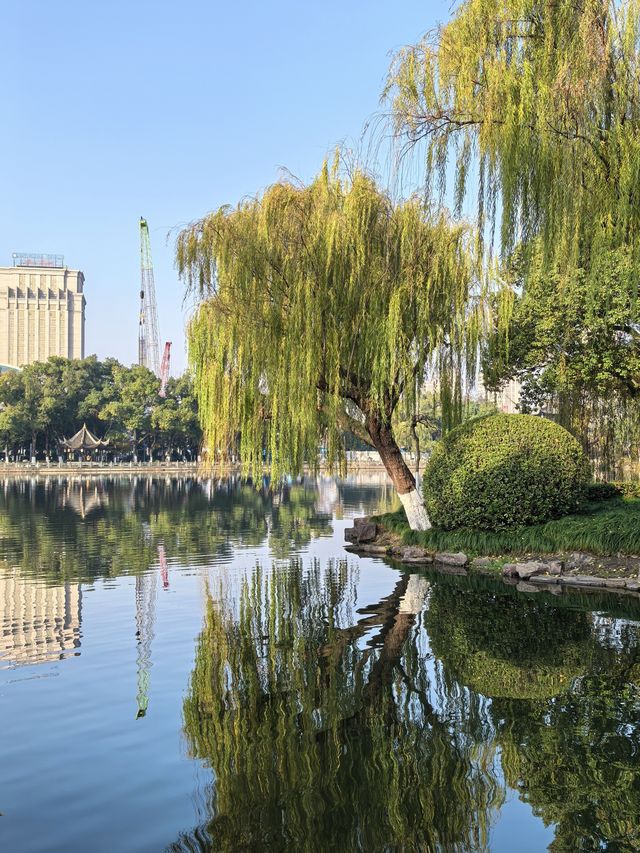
(117, 110)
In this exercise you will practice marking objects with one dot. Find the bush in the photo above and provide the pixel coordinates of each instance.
(602, 491)
(616, 489)
(628, 489)
(501, 471)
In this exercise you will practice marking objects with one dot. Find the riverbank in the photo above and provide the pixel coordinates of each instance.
(598, 548)
(89, 469)
(101, 469)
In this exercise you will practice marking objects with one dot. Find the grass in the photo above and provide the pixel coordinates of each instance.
(606, 527)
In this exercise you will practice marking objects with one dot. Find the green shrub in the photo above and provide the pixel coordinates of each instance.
(628, 489)
(602, 492)
(616, 489)
(502, 471)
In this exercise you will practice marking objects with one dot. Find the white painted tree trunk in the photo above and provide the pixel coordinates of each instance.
(415, 509)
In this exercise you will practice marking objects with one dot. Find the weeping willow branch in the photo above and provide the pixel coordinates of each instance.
(536, 105)
(318, 297)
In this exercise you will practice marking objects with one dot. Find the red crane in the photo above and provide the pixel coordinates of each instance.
(164, 369)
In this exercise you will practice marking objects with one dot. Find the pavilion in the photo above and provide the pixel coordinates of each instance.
(84, 442)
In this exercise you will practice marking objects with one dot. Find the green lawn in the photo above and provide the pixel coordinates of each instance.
(606, 527)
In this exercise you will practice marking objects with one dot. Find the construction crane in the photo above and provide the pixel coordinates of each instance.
(164, 369)
(148, 347)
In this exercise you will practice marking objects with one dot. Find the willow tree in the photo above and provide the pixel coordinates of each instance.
(537, 105)
(322, 306)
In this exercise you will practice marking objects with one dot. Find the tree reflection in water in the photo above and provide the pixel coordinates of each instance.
(329, 725)
(322, 732)
(82, 529)
(565, 683)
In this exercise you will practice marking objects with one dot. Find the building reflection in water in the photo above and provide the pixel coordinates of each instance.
(40, 623)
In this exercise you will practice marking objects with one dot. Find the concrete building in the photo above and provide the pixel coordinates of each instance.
(507, 399)
(41, 310)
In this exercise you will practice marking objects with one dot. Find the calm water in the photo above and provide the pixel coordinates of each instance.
(194, 665)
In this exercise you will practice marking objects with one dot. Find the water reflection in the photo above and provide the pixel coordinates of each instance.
(84, 529)
(323, 701)
(39, 622)
(403, 724)
(312, 733)
(57, 534)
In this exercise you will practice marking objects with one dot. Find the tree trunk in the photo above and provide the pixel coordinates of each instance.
(384, 442)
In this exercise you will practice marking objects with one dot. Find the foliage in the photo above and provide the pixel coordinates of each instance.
(545, 96)
(601, 492)
(569, 328)
(42, 400)
(611, 527)
(501, 471)
(48, 401)
(321, 307)
(629, 489)
(423, 426)
(540, 104)
(616, 489)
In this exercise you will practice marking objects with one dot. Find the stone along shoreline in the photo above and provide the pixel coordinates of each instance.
(529, 573)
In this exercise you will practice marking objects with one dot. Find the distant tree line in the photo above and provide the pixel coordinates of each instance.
(49, 401)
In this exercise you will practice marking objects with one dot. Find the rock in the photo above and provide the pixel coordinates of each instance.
(363, 530)
(481, 562)
(526, 587)
(582, 580)
(545, 579)
(633, 585)
(529, 569)
(374, 549)
(578, 560)
(366, 531)
(614, 583)
(458, 559)
(532, 568)
(412, 552)
(416, 561)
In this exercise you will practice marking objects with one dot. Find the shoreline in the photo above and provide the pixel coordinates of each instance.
(17, 470)
(529, 573)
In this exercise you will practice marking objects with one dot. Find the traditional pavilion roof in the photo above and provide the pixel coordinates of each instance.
(84, 440)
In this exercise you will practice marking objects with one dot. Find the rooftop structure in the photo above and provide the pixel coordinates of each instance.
(84, 440)
(25, 259)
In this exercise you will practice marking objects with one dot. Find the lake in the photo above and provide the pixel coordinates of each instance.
(197, 664)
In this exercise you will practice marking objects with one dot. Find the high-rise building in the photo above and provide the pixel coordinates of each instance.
(41, 310)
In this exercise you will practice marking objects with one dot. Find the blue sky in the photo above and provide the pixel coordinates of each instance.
(116, 110)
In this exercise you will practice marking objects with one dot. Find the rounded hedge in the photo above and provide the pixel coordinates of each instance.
(501, 471)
